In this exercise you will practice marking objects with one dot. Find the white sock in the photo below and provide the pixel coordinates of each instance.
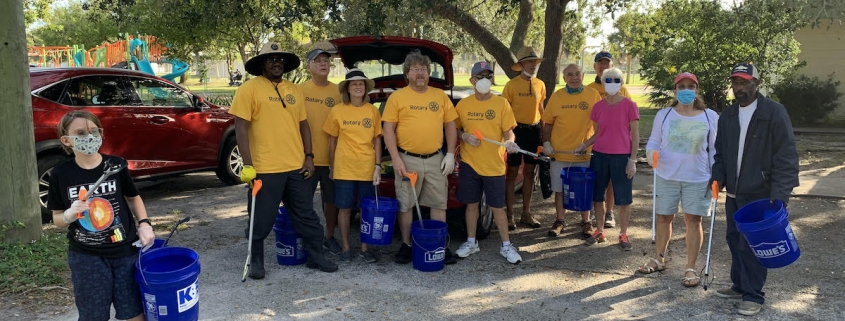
(471, 240)
(506, 243)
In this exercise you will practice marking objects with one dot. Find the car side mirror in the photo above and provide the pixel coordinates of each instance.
(198, 103)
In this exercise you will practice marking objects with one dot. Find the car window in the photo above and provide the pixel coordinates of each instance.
(54, 93)
(97, 91)
(151, 92)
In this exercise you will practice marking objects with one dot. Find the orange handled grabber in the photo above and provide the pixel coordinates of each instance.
(108, 170)
(714, 189)
(480, 136)
(256, 186)
(412, 176)
(654, 196)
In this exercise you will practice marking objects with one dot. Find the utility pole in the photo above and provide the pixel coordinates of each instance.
(20, 210)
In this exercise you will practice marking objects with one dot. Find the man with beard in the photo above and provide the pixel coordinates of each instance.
(320, 96)
(755, 159)
(270, 120)
(526, 94)
(604, 61)
(414, 120)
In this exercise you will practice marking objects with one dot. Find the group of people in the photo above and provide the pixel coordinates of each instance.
(294, 137)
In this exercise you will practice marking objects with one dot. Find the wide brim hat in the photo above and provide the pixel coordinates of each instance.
(356, 74)
(525, 54)
(255, 65)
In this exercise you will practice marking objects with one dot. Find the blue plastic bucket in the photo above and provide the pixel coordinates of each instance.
(168, 279)
(378, 218)
(578, 183)
(290, 249)
(429, 245)
(282, 219)
(765, 226)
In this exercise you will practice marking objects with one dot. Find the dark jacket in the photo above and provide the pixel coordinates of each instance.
(769, 166)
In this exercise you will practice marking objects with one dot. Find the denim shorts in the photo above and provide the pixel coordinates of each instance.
(471, 185)
(345, 192)
(612, 167)
(99, 282)
(694, 197)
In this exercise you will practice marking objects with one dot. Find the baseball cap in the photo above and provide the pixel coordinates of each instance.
(686, 75)
(480, 66)
(603, 55)
(745, 71)
(314, 53)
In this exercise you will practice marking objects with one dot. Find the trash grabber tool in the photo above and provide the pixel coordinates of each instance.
(412, 176)
(173, 230)
(654, 158)
(714, 188)
(108, 170)
(256, 185)
(478, 135)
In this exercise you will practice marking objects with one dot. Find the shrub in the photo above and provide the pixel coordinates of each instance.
(808, 100)
(220, 99)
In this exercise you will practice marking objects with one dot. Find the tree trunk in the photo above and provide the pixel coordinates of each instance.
(551, 51)
(488, 41)
(244, 58)
(524, 19)
(628, 63)
(19, 193)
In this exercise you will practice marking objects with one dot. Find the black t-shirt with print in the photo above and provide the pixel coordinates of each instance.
(108, 228)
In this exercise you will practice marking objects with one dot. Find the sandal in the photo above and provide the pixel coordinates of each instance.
(691, 282)
(647, 269)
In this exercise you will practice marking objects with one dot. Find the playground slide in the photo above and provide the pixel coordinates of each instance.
(143, 65)
(179, 69)
(79, 58)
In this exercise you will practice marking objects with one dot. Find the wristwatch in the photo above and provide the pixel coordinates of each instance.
(309, 155)
(146, 220)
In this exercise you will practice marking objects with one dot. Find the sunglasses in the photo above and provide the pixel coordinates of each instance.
(613, 80)
(275, 59)
(479, 77)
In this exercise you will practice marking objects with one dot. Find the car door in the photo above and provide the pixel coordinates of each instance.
(123, 131)
(184, 138)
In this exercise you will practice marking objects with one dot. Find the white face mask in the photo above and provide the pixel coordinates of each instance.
(612, 88)
(87, 144)
(483, 86)
(527, 74)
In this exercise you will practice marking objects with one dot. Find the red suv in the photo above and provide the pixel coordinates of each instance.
(381, 58)
(160, 128)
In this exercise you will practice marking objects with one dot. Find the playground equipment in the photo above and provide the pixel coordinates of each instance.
(142, 60)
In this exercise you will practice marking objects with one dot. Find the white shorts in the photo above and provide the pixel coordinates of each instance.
(557, 167)
(694, 197)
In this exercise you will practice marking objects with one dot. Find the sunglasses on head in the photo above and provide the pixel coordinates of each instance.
(613, 80)
(479, 77)
(275, 59)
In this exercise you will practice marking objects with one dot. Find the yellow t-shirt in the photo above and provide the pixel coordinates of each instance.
(603, 93)
(492, 117)
(525, 98)
(419, 118)
(318, 103)
(355, 128)
(274, 138)
(570, 116)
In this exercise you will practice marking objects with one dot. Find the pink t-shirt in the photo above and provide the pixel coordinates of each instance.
(614, 136)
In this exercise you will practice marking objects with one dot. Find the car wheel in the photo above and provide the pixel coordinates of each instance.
(485, 219)
(45, 168)
(230, 163)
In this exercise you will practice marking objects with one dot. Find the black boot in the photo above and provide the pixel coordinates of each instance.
(256, 261)
(319, 262)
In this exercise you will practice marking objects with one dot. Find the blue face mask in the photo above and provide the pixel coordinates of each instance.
(686, 96)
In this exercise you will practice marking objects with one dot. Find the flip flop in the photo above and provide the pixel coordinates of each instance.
(691, 282)
(646, 269)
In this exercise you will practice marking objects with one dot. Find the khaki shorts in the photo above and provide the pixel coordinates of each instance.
(432, 186)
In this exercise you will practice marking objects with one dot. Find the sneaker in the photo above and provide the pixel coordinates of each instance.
(586, 228)
(331, 245)
(347, 256)
(624, 242)
(597, 237)
(609, 222)
(450, 258)
(467, 249)
(509, 252)
(749, 308)
(557, 228)
(404, 254)
(728, 293)
(368, 256)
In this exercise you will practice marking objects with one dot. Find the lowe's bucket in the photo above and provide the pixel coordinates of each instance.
(290, 249)
(282, 220)
(168, 279)
(429, 245)
(378, 218)
(578, 183)
(765, 226)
